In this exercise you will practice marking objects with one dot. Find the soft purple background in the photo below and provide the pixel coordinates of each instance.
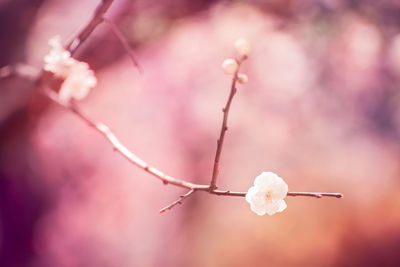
(321, 109)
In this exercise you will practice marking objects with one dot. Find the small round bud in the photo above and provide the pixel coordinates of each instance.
(242, 78)
(242, 46)
(230, 66)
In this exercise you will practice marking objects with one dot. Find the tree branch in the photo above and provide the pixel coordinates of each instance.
(179, 201)
(166, 179)
(98, 17)
(117, 145)
(120, 148)
(224, 127)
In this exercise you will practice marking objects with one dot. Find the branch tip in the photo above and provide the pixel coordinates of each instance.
(179, 201)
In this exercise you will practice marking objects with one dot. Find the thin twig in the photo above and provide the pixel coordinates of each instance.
(120, 148)
(21, 70)
(290, 194)
(179, 201)
(124, 43)
(224, 127)
(97, 18)
(314, 194)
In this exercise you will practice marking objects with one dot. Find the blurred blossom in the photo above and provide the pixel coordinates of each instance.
(229, 66)
(242, 47)
(78, 84)
(355, 56)
(58, 60)
(78, 78)
(230, 22)
(362, 44)
(394, 55)
(281, 65)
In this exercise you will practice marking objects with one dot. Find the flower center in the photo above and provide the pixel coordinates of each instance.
(268, 195)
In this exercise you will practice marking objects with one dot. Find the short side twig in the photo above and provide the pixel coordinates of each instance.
(124, 42)
(179, 201)
(97, 18)
(224, 127)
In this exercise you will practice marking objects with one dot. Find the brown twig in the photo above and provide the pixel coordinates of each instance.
(120, 148)
(21, 70)
(98, 17)
(179, 201)
(124, 43)
(314, 194)
(290, 194)
(224, 127)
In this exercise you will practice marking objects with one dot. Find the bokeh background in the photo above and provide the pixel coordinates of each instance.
(321, 109)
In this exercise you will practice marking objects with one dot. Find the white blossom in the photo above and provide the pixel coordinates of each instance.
(78, 84)
(242, 47)
(78, 77)
(58, 60)
(267, 194)
(229, 66)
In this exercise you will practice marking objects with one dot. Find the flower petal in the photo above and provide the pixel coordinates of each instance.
(251, 193)
(272, 207)
(279, 189)
(259, 208)
(265, 179)
(282, 205)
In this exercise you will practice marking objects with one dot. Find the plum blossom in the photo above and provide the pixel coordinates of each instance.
(78, 77)
(229, 66)
(77, 85)
(58, 60)
(242, 47)
(267, 194)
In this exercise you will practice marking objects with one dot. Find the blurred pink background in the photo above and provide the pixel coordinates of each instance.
(321, 109)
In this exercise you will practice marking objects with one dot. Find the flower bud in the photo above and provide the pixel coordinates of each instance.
(242, 47)
(242, 78)
(230, 66)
